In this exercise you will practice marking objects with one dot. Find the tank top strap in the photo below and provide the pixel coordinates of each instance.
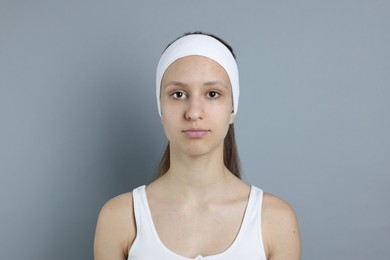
(259, 198)
(137, 205)
(254, 205)
(144, 224)
(254, 214)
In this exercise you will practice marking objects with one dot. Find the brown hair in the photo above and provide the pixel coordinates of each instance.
(230, 152)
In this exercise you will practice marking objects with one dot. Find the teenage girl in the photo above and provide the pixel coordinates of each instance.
(198, 207)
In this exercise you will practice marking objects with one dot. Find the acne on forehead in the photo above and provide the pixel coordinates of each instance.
(182, 71)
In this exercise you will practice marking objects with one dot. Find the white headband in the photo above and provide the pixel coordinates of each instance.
(202, 45)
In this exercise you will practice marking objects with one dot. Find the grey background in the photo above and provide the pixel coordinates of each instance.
(79, 123)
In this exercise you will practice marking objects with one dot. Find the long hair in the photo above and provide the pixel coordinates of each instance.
(230, 151)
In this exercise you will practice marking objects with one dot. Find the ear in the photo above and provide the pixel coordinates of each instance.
(231, 121)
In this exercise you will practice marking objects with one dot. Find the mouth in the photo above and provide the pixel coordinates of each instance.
(196, 133)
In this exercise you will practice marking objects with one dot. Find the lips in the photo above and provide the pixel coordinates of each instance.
(196, 133)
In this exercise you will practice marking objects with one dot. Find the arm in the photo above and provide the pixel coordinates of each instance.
(115, 229)
(280, 230)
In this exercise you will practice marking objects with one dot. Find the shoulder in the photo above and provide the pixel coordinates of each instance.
(119, 208)
(277, 208)
(280, 229)
(115, 229)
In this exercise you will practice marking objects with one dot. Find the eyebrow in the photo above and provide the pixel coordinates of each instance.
(175, 83)
(216, 82)
(181, 84)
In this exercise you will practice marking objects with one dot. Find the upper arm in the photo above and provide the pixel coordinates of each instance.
(115, 229)
(280, 229)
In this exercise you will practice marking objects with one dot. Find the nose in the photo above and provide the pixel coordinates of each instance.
(195, 109)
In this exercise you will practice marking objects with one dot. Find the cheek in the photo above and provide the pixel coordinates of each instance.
(229, 114)
(166, 127)
(168, 108)
(169, 114)
(168, 120)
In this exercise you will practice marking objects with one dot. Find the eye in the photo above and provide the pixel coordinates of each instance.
(178, 95)
(213, 94)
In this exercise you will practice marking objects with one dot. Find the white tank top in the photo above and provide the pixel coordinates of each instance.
(247, 245)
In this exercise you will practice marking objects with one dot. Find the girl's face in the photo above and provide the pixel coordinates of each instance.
(196, 105)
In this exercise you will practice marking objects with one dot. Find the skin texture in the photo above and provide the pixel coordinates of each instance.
(198, 201)
(192, 88)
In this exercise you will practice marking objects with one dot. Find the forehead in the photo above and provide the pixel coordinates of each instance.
(196, 65)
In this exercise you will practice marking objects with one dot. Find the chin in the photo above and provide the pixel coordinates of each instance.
(200, 150)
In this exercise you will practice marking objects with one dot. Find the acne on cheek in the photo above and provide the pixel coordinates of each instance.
(170, 113)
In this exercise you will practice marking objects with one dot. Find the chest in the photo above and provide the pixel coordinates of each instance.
(201, 230)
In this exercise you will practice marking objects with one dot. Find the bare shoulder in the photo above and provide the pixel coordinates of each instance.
(115, 229)
(277, 208)
(280, 229)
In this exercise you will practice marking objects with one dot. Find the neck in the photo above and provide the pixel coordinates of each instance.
(197, 176)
